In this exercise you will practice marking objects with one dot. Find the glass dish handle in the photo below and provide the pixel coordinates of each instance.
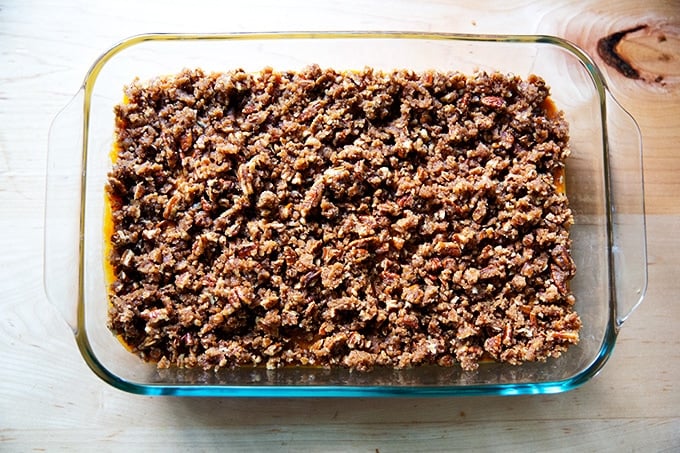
(629, 236)
(62, 209)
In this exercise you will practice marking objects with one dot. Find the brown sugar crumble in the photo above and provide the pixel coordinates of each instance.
(328, 218)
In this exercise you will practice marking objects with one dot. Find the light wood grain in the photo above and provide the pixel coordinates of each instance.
(653, 104)
(50, 400)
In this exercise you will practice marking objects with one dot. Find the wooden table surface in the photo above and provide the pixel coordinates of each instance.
(50, 400)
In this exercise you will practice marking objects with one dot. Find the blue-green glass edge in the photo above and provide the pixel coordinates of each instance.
(268, 391)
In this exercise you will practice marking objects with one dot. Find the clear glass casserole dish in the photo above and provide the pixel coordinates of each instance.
(603, 181)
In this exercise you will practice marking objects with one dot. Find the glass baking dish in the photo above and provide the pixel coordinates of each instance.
(603, 180)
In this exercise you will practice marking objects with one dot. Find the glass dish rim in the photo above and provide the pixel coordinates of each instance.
(259, 390)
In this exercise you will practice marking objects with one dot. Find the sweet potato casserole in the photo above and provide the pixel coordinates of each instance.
(329, 218)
